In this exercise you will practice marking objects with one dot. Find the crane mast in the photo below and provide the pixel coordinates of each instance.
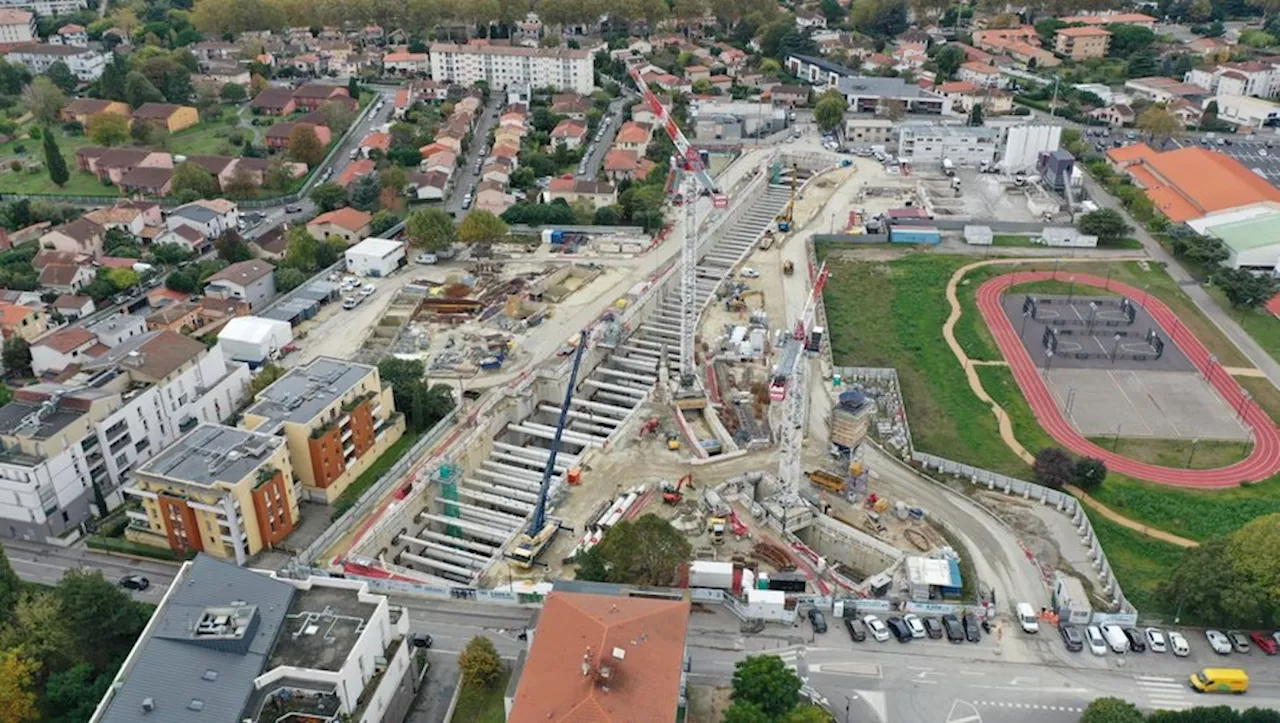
(796, 391)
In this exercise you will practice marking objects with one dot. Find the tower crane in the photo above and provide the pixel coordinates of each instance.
(790, 388)
(695, 173)
(542, 529)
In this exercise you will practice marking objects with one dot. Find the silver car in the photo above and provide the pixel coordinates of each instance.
(1219, 642)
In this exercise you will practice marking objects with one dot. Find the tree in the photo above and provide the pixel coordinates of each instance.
(305, 146)
(328, 196)
(1128, 39)
(170, 254)
(62, 77)
(301, 249)
(364, 193)
(479, 662)
(430, 229)
(1089, 473)
(976, 115)
(829, 111)
(481, 227)
(1054, 468)
(193, 181)
(122, 279)
(353, 87)
(646, 551)
(807, 713)
(10, 587)
(1105, 223)
(43, 100)
(17, 688)
(382, 222)
(880, 18)
(766, 682)
(232, 248)
(183, 282)
(1158, 123)
(233, 93)
(266, 377)
(1245, 289)
(17, 355)
(138, 90)
(95, 607)
(1255, 594)
(75, 693)
(393, 177)
(947, 61)
(289, 278)
(55, 161)
(242, 184)
(108, 129)
(338, 115)
(745, 713)
(1111, 710)
(893, 109)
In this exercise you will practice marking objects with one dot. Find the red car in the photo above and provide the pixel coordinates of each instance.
(1264, 642)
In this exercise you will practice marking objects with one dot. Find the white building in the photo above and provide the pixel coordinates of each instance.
(86, 65)
(1249, 234)
(375, 257)
(253, 339)
(1025, 142)
(71, 34)
(501, 66)
(928, 145)
(252, 281)
(112, 331)
(1255, 78)
(1245, 111)
(60, 441)
(46, 7)
(211, 217)
(17, 26)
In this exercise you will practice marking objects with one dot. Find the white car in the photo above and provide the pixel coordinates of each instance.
(915, 625)
(368, 290)
(350, 302)
(878, 630)
(1093, 636)
(1219, 642)
(1155, 640)
(1179, 644)
(749, 273)
(426, 258)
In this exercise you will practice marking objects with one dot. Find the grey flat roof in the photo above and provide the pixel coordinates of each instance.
(340, 618)
(300, 395)
(881, 87)
(13, 413)
(824, 64)
(194, 212)
(211, 453)
(174, 668)
(115, 322)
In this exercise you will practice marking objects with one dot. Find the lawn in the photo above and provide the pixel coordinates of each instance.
(207, 139)
(482, 705)
(1140, 563)
(80, 184)
(1206, 454)
(1259, 323)
(1009, 239)
(375, 471)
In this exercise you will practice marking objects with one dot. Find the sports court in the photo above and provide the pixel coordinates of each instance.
(1112, 370)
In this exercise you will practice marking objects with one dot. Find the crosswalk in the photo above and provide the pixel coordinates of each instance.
(1164, 692)
(794, 658)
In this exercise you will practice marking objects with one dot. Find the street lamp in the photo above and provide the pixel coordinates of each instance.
(1115, 348)
(1071, 288)
(1192, 456)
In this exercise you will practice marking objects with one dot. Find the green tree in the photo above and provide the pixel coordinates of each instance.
(62, 77)
(1256, 592)
(267, 376)
(1159, 123)
(301, 249)
(743, 712)
(766, 682)
(75, 693)
(947, 61)
(479, 662)
(170, 254)
(1105, 223)
(353, 87)
(233, 93)
(481, 226)
(305, 146)
(364, 193)
(10, 587)
(1111, 710)
(108, 129)
(338, 116)
(976, 115)
(182, 282)
(55, 161)
(138, 90)
(232, 247)
(289, 278)
(1054, 468)
(646, 551)
(328, 196)
(382, 222)
(122, 279)
(191, 180)
(43, 100)
(829, 111)
(1245, 289)
(18, 688)
(1089, 473)
(17, 355)
(880, 18)
(807, 713)
(98, 610)
(393, 177)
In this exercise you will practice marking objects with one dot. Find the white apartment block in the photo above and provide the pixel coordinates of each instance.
(46, 7)
(17, 26)
(1254, 78)
(86, 65)
(59, 441)
(502, 66)
(928, 145)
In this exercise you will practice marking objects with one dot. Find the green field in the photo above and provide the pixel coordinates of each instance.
(1140, 563)
(1261, 324)
(482, 705)
(80, 184)
(1009, 239)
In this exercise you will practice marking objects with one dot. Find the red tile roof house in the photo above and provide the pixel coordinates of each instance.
(633, 136)
(362, 167)
(428, 186)
(312, 95)
(147, 181)
(569, 132)
(571, 105)
(278, 135)
(112, 163)
(66, 278)
(376, 141)
(621, 164)
(274, 101)
(78, 237)
(600, 193)
(348, 224)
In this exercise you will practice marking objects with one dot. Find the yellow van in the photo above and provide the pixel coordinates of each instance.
(1220, 680)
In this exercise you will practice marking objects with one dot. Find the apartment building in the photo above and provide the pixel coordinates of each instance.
(46, 7)
(220, 490)
(17, 26)
(501, 66)
(1254, 78)
(337, 417)
(1082, 43)
(86, 65)
(928, 145)
(232, 644)
(67, 447)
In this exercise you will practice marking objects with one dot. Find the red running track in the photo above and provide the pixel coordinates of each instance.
(1261, 464)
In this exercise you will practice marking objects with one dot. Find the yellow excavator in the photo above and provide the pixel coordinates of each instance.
(784, 219)
(739, 302)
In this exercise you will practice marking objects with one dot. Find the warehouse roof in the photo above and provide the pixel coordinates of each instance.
(1249, 234)
(1187, 183)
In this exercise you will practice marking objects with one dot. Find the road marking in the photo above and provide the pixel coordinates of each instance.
(1155, 678)
(1028, 706)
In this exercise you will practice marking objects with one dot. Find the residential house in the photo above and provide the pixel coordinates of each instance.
(571, 133)
(278, 135)
(959, 92)
(429, 186)
(274, 101)
(72, 307)
(621, 164)
(405, 63)
(59, 349)
(17, 26)
(981, 75)
(80, 236)
(493, 197)
(1166, 90)
(995, 40)
(571, 105)
(66, 278)
(1116, 114)
(599, 193)
(120, 217)
(633, 136)
(376, 141)
(310, 96)
(1082, 42)
(270, 244)
(441, 161)
(252, 281)
(806, 18)
(24, 322)
(172, 118)
(208, 50)
(181, 317)
(211, 217)
(85, 64)
(81, 110)
(186, 236)
(147, 181)
(113, 163)
(790, 95)
(349, 224)
(1253, 78)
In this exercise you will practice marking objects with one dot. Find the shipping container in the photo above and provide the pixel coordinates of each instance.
(914, 235)
(706, 573)
(788, 582)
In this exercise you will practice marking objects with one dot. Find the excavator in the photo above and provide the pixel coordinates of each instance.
(739, 302)
(784, 219)
(671, 494)
(542, 529)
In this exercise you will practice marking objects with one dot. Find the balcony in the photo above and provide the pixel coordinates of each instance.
(116, 430)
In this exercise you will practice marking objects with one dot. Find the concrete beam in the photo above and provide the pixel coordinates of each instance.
(480, 547)
(472, 528)
(439, 565)
(597, 406)
(520, 493)
(584, 416)
(631, 391)
(536, 453)
(534, 464)
(496, 517)
(462, 555)
(516, 472)
(546, 431)
(645, 379)
(471, 493)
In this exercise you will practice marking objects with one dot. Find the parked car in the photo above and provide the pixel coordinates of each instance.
(1136, 642)
(1219, 642)
(1178, 644)
(899, 629)
(426, 258)
(293, 209)
(420, 640)
(876, 628)
(134, 582)
(1097, 643)
(1071, 637)
(749, 273)
(972, 632)
(955, 632)
(1264, 642)
(1239, 641)
(368, 290)
(817, 620)
(933, 627)
(856, 630)
(914, 625)
(350, 302)
(1116, 639)
(1155, 640)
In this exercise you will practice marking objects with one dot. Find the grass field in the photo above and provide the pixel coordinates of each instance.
(1259, 323)
(1140, 563)
(1009, 239)
(482, 705)
(1206, 454)
(80, 184)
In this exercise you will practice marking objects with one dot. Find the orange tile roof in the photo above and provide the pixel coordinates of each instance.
(576, 629)
(360, 168)
(1187, 183)
(377, 139)
(352, 219)
(13, 314)
(1081, 32)
(1129, 154)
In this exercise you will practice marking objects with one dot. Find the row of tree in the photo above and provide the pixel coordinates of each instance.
(1117, 710)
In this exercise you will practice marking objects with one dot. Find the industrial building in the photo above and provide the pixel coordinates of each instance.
(1191, 183)
(1251, 235)
(376, 257)
(253, 339)
(337, 418)
(966, 146)
(714, 118)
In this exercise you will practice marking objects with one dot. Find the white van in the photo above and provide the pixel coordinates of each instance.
(1115, 638)
(1027, 618)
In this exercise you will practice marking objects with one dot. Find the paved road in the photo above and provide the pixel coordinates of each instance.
(467, 176)
(45, 564)
(611, 123)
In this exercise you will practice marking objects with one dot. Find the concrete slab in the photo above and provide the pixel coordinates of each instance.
(1134, 403)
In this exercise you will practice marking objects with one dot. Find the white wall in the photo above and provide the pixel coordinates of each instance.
(1023, 145)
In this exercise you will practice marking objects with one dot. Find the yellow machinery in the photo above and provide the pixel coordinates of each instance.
(827, 480)
(715, 528)
(784, 219)
(739, 302)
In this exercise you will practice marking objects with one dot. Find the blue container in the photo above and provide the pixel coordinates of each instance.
(914, 235)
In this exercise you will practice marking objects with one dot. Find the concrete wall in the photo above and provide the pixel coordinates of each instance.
(838, 542)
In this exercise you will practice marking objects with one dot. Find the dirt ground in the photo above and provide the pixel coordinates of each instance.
(708, 703)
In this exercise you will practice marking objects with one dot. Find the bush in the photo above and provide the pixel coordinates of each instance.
(34, 133)
(15, 166)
